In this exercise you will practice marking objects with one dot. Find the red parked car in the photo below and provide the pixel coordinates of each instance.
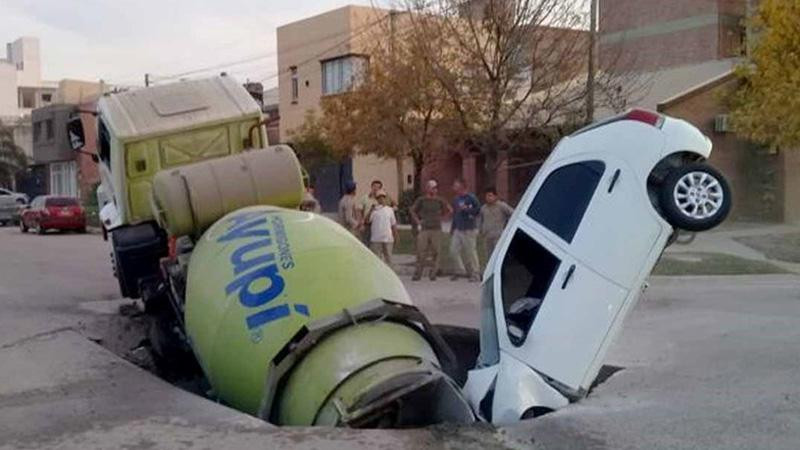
(50, 212)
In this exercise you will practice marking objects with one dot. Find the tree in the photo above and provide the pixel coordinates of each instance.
(509, 68)
(395, 110)
(766, 107)
(12, 158)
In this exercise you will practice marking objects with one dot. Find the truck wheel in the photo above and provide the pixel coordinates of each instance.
(695, 197)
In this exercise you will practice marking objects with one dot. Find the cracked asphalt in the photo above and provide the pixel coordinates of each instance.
(709, 362)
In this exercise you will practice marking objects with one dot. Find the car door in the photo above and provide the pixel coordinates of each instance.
(553, 312)
(620, 228)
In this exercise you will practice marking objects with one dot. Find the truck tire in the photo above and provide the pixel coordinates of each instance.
(137, 251)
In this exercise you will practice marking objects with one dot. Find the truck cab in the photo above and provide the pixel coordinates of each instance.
(144, 131)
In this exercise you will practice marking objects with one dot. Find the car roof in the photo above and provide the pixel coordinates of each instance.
(170, 107)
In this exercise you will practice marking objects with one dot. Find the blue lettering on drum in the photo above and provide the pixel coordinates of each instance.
(257, 266)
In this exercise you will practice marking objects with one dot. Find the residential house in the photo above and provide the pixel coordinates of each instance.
(60, 170)
(687, 50)
(319, 56)
(22, 89)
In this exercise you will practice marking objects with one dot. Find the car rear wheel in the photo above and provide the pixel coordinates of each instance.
(22, 227)
(695, 197)
(39, 229)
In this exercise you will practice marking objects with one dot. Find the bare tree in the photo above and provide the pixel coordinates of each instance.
(395, 109)
(509, 68)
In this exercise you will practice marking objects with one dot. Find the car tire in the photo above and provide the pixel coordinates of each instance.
(82, 230)
(39, 229)
(695, 197)
(22, 227)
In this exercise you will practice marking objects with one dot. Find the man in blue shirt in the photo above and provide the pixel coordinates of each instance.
(464, 232)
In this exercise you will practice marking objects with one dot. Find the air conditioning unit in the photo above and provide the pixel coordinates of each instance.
(722, 123)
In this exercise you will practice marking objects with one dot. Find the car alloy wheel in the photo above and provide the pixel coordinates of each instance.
(698, 195)
(695, 197)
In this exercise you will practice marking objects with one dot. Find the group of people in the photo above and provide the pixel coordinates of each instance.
(373, 219)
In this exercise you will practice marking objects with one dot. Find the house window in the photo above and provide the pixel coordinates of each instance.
(63, 179)
(295, 85)
(47, 98)
(564, 196)
(342, 74)
(48, 129)
(26, 98)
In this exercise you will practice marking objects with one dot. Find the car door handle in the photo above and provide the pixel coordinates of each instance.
(614, 180)
(568, 276)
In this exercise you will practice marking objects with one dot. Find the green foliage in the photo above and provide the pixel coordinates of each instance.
(766, 108)
(12, 158)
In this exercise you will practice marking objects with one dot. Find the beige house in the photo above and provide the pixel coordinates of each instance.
(323, 55)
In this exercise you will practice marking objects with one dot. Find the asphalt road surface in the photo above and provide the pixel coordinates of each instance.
(709, 362)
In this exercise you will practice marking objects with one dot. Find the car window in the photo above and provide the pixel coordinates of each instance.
(564, 196)
(526, 274)
(4, 192)
(61, 201)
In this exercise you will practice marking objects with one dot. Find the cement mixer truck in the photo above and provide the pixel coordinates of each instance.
(295, 321)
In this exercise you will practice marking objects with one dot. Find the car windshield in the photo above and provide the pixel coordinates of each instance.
(61, 201)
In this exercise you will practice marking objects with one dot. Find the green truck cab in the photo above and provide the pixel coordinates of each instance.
(144, 131)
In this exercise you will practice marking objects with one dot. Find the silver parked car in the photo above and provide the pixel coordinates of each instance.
(10, 204)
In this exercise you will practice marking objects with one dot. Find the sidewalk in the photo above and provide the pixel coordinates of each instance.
(722, 241)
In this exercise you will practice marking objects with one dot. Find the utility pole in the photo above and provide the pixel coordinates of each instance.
(146, 80)
(591, 68)
(398, 159)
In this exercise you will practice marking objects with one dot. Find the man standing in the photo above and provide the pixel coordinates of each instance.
(348, 216)
(427, 212)
(493, 219)
(464, 232)
(365, 207)
(383, 228)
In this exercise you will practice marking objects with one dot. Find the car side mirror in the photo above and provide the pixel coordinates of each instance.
(75, 133)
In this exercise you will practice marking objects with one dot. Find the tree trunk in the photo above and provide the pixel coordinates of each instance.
(419, 164)
(489, 170)
(400, 180)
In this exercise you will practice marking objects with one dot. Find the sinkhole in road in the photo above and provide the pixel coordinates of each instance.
(139, 338)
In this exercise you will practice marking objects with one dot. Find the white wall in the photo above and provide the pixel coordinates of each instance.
(24, 52)
(8, 90)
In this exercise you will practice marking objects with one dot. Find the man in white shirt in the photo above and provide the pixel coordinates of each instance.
(383, 228)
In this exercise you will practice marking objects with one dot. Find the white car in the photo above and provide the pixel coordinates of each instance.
(10, 204)
(573, 260)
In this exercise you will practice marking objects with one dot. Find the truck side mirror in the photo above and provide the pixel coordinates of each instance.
(75, 132)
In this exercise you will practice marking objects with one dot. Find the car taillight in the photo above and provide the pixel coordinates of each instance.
(642, 115)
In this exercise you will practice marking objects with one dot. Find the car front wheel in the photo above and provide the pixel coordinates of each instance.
(695, 197)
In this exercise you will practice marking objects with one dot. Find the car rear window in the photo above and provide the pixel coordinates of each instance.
(61, 201)
(564, 196)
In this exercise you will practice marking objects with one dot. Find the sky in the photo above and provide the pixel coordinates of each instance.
(121, 40)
